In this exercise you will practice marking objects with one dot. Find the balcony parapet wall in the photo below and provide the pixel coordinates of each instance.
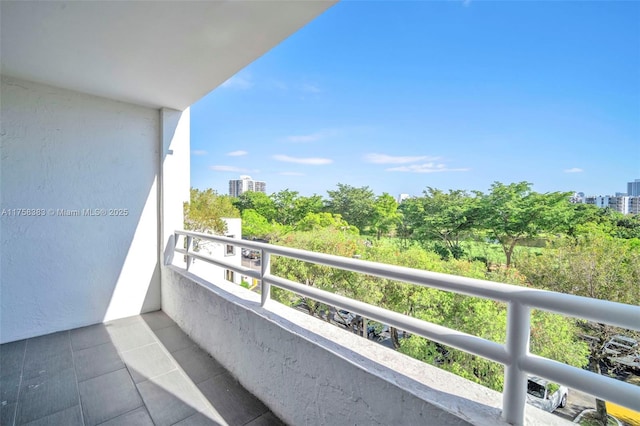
(311, 372)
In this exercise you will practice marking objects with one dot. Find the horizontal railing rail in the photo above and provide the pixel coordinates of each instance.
(514, 354)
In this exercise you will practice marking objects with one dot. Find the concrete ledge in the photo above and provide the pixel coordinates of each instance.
(311, 372)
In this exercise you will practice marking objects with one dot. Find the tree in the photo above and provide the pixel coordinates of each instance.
(512, 213)
(322, 240)
(305, 205)
(255, 225)
(582, 214)
(411, 211)
(445, 217)
(394, 295)
(386, 215)
(292, 207)
(205, 210)
(355, 205)
(552, 336)
(284, 203)
(593, 264)
(258, 201)
(324, 220)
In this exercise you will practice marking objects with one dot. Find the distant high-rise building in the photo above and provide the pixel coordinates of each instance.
(245, 184)
(402, 197)
(633, 188)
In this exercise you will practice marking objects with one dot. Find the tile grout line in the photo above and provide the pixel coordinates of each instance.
(24, 356)
(156, 376)
(178, 367)
(136, 348)
(75, 374)
(135, 385)
(127, 412)
(128, 373)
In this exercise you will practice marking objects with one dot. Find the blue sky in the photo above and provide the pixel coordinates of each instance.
(400, 96)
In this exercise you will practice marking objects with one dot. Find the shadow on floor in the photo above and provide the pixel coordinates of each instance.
(141, 370)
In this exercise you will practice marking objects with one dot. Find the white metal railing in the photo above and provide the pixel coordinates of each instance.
(514, 355)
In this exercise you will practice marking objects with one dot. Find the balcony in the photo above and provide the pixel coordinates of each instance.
(270, 362)
(472, 403)
(91, 125)
(140, 370)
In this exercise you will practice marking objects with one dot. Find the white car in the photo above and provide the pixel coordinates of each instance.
(546, 395)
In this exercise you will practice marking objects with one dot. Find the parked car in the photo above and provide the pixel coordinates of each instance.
(546, 395)
(250, 254)
(624, 351)
(344, 317)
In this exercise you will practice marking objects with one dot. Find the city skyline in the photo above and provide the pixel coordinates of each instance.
(402, 96)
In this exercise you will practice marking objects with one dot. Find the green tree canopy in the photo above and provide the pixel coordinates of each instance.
(254, 225)
(512, 213)
(292, 207)
(385, 215)
(324, 220)
(258, 201)
(323, 240)
(442, 216)
(284, 203)
(205, 210)
(593, 264)
(355, 205)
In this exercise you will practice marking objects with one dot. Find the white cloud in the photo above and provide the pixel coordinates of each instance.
(313, 161)
(574, 170)
(313, 137)
(220, 168)
(238, 82)
(198, 152)
(305, 138)
(291, 174)
(425, 168)
(390, 159)
(310, 88)
(238, 153)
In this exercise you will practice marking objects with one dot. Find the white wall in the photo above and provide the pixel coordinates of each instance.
(67, 150)
(218, 251)
(175, 178)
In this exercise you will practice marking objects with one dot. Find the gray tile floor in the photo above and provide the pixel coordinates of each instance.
(138, 371)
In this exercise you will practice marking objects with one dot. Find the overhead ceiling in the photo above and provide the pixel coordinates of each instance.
(152, 53)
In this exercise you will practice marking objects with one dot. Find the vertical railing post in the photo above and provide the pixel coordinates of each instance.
(265, 270)
(189, 243)
(515, 379)
(365, 328)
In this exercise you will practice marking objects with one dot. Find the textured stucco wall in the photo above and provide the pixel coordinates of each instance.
(68, 150)
(312, 373)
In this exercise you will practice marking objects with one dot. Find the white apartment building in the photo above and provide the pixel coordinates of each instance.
(634, 205)
(227, 252)
(244, 184)
(623, 204)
